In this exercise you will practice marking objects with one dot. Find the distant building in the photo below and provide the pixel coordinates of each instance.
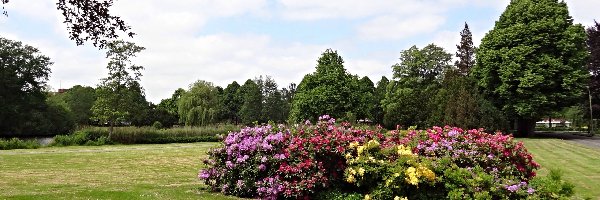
(553, 123)
(60, 91)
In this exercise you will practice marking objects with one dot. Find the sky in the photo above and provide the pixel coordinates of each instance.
(222, 41)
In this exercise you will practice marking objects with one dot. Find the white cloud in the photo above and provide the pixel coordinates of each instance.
(584, 11)
(389, 27)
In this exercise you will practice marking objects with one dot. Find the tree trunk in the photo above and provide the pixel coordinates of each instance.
(525, 127)
(110, 130)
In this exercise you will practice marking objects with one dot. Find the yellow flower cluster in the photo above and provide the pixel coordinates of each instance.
(398, 198)
(352, 172)
(404, 151)
(367, 197)
(413, 174)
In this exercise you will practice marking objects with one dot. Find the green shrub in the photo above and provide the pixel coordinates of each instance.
(145, 135)
(80, 138)
(157, 125)
(553, 186)
(16, 143)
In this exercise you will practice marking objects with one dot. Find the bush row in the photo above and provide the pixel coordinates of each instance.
(16, 143)
(341, 162)
(144, 135)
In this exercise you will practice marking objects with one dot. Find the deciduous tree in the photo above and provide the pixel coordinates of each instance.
(23, 75)
(116, 95)
(533, 61)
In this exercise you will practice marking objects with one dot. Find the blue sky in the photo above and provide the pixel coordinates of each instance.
(222, 41)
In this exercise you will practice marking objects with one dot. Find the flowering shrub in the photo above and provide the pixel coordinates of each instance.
(332, 161)
(315, 156)
(246, 165)
(387, 173)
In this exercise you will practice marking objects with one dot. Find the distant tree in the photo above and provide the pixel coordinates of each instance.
(378, 96)
(365, 96)
(273, 102)
(593, 45)
(410, 98)
(231, 102)
(23, 75)
(199, 105)
(329, 90)
(116, 94)
(141, 109)
(422, 65)
(465, 52)
(251, 109)
(79, 101)
(458, 103)
(288, 97)
(532, 62)
(89, 20)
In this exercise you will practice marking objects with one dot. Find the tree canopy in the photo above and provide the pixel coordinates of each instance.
(329, 90)
(532, 62)
(23, 75)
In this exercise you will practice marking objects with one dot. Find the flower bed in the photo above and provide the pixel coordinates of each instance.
(332, 161)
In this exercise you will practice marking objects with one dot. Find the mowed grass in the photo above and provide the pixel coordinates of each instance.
(169, 171)
(580, 164)
(166, 171)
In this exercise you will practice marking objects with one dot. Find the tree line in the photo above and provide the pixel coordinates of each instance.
(529, 66)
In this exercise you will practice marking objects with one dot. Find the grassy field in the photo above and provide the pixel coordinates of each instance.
(166, 171)
(580, 164)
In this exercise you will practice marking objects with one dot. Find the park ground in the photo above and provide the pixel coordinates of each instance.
(169, 171)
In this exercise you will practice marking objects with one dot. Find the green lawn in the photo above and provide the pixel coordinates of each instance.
(166, 171)
(580, 164)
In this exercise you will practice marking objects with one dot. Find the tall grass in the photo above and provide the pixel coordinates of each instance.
(16, 143)
(146, 135)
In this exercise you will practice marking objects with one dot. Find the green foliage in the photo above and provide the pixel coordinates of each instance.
(157, 125)
(251, 109)
(81, 138)
(151, 135)
(422, 66)
(79, 100)
(16, 143)
(365, 99)
(410, 99)
(231, 102)
(329, 90)
(336, 194)
(23, 76)
(553, 186)
(199, 105)
(458, 103)
(532, 62)
(273, 108)
(118, 94)
(378, 96)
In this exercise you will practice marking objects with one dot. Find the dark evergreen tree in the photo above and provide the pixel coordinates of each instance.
(378, 96)
(465, 52)
(251, 109)
(231, 102)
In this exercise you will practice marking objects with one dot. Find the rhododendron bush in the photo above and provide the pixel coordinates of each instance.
(306, 161)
